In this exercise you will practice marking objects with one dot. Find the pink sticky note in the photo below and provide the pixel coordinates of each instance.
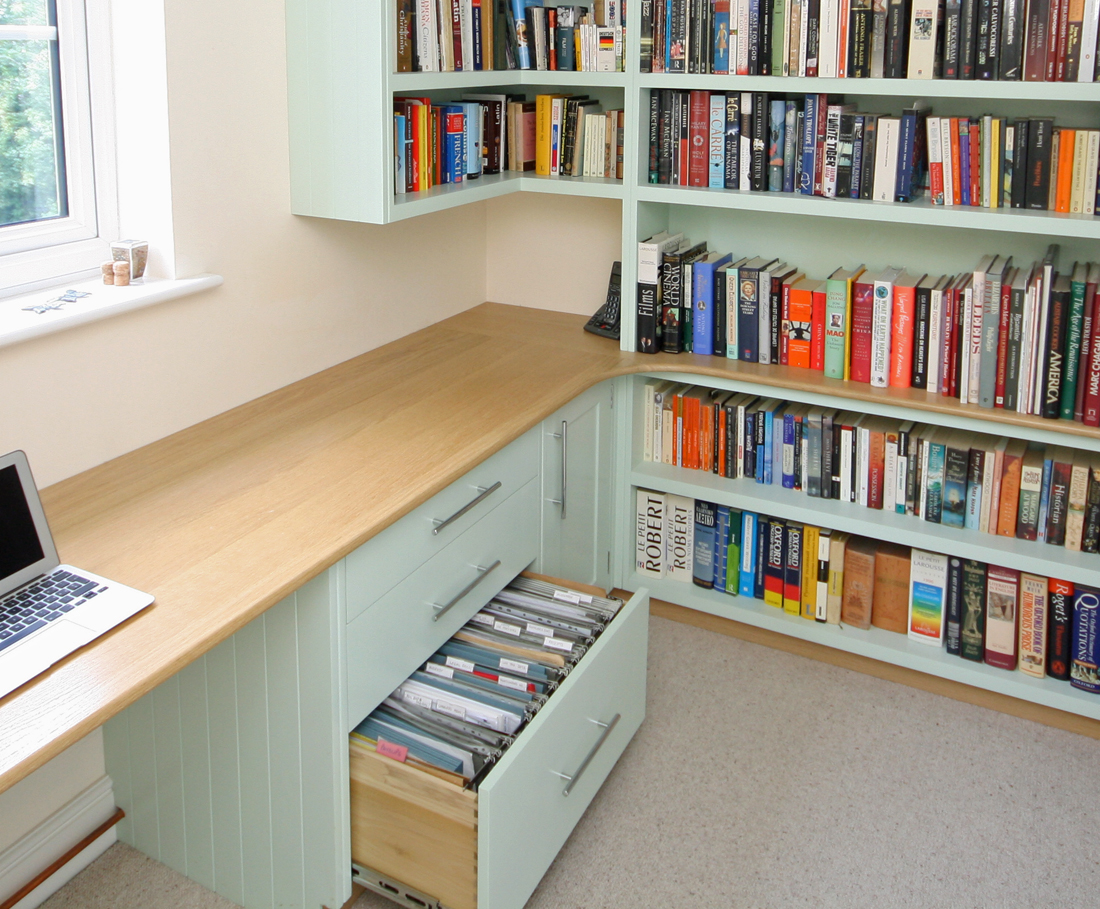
(390, 750)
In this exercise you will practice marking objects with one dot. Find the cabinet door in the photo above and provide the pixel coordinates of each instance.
(576, 488)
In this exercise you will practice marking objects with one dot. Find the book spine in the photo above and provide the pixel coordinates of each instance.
(1059, 649)
(972, 633)
(703, 560)
(1001, 619)
(954, 606)
(732, 166)
(1073, 341)
(1085, 657)
(649, 534)
(792, 573)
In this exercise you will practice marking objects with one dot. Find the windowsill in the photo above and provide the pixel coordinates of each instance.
(102, 302)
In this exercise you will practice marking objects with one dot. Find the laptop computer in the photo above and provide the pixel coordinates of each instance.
(47, 610)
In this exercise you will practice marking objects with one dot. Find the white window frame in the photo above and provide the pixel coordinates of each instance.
(49, 252)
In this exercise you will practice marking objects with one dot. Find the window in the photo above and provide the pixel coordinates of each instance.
(57, 205)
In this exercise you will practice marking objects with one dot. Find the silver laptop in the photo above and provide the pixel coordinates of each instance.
(47, 610)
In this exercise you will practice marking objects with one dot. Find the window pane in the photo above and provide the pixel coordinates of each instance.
(32, 178)
(23, 12)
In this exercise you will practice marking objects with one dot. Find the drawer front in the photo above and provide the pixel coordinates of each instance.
(387, 559)
(524, 817)
(388, 641)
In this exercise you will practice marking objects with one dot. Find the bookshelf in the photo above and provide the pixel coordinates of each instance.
(342, 85)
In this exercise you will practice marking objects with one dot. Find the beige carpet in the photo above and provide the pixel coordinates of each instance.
(762, 779)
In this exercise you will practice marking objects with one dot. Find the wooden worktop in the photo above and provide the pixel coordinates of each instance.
(224, 519)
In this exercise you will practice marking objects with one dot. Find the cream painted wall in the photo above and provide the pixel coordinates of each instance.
(552, 252)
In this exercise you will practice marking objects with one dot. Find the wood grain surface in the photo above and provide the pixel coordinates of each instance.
(224, 519)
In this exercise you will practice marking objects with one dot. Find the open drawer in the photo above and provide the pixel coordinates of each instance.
(489, 849)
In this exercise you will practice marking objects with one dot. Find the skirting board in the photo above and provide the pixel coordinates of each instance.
(1037, 713)
(58, 833)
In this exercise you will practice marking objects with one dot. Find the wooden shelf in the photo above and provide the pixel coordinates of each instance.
(420, 82)
(489, 186)
(885, 646)
(812, 387)
(921, 212)
(905, 88)
(795, 505)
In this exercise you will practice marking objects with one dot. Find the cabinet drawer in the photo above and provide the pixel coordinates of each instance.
(388, 641)
(489, 850)
(390, 557)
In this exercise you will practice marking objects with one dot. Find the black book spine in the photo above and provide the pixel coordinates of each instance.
(1013, 20)
(671, 279)
(866, 180)
(763, 524)
(647, 318)
(897, 44)
(719, 343)
(993, 58)
(776, 290)
(731, 441)
(920, 337)
(645, 61)
(1019, 165)
(767, 11)
(677, 35)
(952, 22)
(859, 39)
(972, 633)
(695, 31)
(833, 486)
(954, 605)
(760, 109)
(1040, 134)
(858, 150)
(1061, 628)
(1055, 354)
(844, 161)
(813, 35)
(1090, 541)
(968, 27)
(655, 136)
(684, 133)
(1015, 341)
(981, 39)
(826, 478)
(750, 445)
(733, 141)
(755, 11)
(798, 426)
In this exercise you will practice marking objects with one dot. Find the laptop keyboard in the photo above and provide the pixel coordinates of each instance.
(44, 601)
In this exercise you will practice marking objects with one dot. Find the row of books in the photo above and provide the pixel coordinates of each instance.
(1013, 40)
(817, 145)
(490, 133)
(475, 35)
(1024, 338)
(575, 137)
(457, 714)
(987, 613)
(957, 478)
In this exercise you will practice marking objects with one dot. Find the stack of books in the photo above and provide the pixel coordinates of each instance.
(1032, 40)
(1023, 338)
(821, 146)
(957, 478)
(986, 613)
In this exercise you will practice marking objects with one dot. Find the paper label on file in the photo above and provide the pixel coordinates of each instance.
(559, 644)
(572, 596)
(442, 671)
(482, 619)
(506, 681)
(543, 630)
(461, 665)
(420, 700)
(514, 666)
(455, 710)
(480, 719)
(390, 750)
(508, 628)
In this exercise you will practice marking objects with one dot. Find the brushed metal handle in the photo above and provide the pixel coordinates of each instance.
(576, 777)
(564, 436)
(484, 493)
(482, 573)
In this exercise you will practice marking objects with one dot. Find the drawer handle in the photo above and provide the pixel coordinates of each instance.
(484, 493)
(576, 777)
(482, 573)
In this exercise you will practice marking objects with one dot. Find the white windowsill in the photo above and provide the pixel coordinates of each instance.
(102, 302)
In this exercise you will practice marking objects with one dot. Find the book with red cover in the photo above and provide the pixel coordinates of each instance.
(456, 33)
(817, 328)
(1090, 378)
(1056, 44)
(863, 306)
(1002, 338)
(792, 573)
(902, 330)
(699, 138)
(1002, 613)
(1060, 635)
(1086, 343)
(975, 162)
(956, 163)
(775, 564)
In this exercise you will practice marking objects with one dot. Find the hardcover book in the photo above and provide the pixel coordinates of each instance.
(1002, 616)
(1033, 624)
(859, 582)
(972, 633)
(649, 534)
(1085, 667)
(890, 600)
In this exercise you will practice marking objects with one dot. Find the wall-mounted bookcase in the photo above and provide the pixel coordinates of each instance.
(341, 57)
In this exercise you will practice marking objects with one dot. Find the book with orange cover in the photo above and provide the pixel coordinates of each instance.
(1010, 487)
(799, 324)
(890, 598)
(1063, 192)
(902, 330)
(859, 583)
(817, 326)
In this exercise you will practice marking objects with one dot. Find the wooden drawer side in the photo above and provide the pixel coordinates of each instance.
(414, 828)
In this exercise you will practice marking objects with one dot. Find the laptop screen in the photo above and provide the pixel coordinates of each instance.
(20, 546)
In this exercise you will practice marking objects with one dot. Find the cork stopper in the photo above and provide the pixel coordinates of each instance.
(108, 269)
(121, 273)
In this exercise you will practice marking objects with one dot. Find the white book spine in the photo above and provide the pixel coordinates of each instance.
(787, 19)
(1027, 351)
(824, 543)
(881, 319)
(764, 317)
(647, 435)
(924, 24)
(890, 479)
(832, 140)
(803, 35)
(946, 140)
(886, 159)
(827, 41)
(1086, 70)
(742, 38)
(927, 596)
(427, 42)
(730, 303)
(1042, 312)
(679, 537)
(667, 435)
(935, 154)
(863, 465)
(901, 486)
(988, 468)
(935, 324)
(650, 534)
(466, 22)
(846, 436)
(977, 313)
